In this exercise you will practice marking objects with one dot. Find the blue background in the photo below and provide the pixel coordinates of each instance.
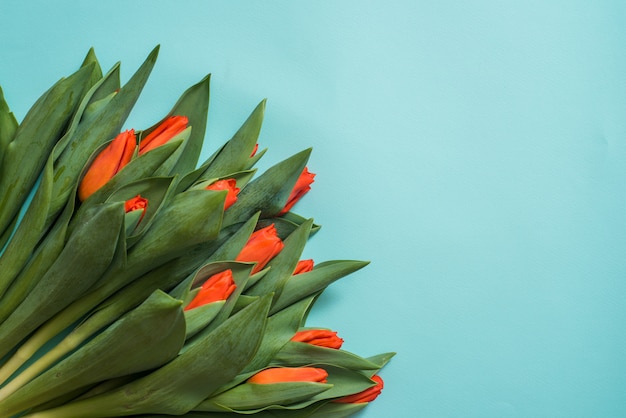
(474, 151)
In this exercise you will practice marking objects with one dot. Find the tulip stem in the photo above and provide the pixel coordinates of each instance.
(49, 330)
(42, 364)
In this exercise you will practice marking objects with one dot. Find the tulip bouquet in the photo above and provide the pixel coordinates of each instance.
(136, 281)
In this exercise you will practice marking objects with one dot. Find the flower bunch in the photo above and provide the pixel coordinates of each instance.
(137, 281)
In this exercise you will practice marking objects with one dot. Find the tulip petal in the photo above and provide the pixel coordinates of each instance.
(284, 263)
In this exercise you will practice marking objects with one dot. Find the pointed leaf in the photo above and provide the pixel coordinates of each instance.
(309, 283)
(126, 347)
(184, 382)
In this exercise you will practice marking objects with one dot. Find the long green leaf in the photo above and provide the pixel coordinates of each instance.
(88, 253)
(35, 138)
(95, 131)
(124, 348)
(183, 383)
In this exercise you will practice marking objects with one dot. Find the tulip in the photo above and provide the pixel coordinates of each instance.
(262, 246)
(108, 163)
(136, 203)
(231, 186)
(215, 288)
(254, 150)
(167, 130)
(302, 186)
(303, 266)
(368, 395)
(319, 337)
(289, 374)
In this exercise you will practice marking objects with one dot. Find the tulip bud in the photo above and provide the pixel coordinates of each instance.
(319, 337)
(133, 205)
(231, 186)
(302, 186)
(215, 288)
(167, 130)
(108, 163)
(368, 395)
(303, 266)
(262, 246)
(136, 203)
(254, 150)
(289, 374)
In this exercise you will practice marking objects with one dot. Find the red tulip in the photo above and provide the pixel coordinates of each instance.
(231, 186)
(167, 130)
(217, 287)
(136, 203)
(319, 337)
(289, 374)
(254, 150)
(303, 266)
(302, 186)
(108, 163)
(262, 246)
(368, 395)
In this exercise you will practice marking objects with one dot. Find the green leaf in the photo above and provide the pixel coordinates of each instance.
(306, 284)
(126, 347)
(281, 327)
(44, 255)
(8, 126)
(190, 218)
(270, 191)
(295, 354)
(95, 131)
(201, 316)
(234, 156)
(85, 257)
(194, 103)
(26, 155)
(91, 59)
(155, 190)
(287, 223)
(184, 382)
(252, 397)
(338, 410)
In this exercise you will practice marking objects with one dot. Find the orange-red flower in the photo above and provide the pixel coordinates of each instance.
(319, 337)
(217, 287)
(254, 150)
(167, 130)
(302, 186)
(289, 374)
(368, 395)
(231, 186)
(262, 246)
(303, 266)
(136, 203)
(110, 160)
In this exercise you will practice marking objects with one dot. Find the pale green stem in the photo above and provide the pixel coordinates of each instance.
(48, 331)
(51, 357)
